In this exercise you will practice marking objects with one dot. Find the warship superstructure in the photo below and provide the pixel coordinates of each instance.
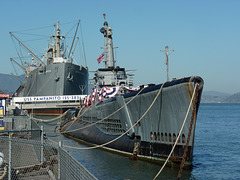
(142, 122)
(54, 74)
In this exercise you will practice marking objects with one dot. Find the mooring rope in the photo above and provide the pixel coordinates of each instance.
(194, 113)
(2, 174)
(109, 142)
(80, 115)
(76, 118)
(98, 146)
(53, 119)
(101, 119)
(189, 107)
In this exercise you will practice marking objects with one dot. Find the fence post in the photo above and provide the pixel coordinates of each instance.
(59, 160)
(9, 155)
(41, 158)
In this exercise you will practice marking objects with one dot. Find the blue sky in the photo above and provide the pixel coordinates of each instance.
(204, 34)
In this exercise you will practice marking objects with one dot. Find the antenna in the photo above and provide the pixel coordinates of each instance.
(167, 52)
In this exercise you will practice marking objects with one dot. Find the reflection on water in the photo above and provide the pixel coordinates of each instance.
(106, 165)
(216, 151)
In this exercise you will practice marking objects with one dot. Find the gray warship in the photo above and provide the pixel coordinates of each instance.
(141, 122)
(54, 74)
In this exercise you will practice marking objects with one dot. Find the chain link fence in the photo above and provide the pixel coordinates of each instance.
(74, 169)
(26, 155)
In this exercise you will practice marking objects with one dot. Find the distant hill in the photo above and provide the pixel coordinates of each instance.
(8, 83)
(215, 93)
(1, 92)
(235, 98)
(219, 97)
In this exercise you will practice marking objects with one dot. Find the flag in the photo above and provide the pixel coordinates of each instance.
(111, 92)
(167, 60)
(100, 58)
(100, 94)
(85, 101)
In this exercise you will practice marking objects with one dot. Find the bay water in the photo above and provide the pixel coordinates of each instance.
(216, 151)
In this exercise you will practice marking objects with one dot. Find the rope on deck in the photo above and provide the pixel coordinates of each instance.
(194, 113)
(137, 122)
(101, 119)
(189, 107)
(53, 119)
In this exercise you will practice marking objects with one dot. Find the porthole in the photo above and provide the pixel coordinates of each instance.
(183, 138)
(179, 139)
(174, 137)
(162, 138)
(151, 136)
(158, 136)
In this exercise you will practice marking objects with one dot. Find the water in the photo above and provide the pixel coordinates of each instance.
(216, 152)
(217, 142)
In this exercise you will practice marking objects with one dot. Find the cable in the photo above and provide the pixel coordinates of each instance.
(53, 119)
(103, 118)
(190, 104)
(98, 146)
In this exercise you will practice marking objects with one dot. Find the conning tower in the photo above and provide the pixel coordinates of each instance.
(110, 75)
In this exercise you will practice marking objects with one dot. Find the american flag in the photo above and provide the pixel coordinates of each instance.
(100, 58)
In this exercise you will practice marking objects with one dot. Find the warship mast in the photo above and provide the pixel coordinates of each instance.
(56, 44)
(108, 44)
(167, 52)
(110, 75)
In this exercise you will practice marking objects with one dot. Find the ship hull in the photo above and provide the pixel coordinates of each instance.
(56, 80)
(160, 118)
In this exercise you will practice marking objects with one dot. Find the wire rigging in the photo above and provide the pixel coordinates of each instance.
(84, 54)
(32, 29)
(17, 51)
(30, 34)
